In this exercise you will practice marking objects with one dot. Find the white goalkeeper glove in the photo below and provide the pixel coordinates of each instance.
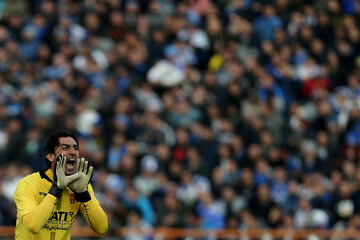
(60, 178)
(80, 186)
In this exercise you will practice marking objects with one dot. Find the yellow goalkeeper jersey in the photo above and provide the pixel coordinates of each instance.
(41, 216)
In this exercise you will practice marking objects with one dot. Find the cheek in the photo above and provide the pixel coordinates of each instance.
(60, 152)
(57, 153)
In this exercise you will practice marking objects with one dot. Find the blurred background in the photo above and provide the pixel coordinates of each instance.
(195, 113)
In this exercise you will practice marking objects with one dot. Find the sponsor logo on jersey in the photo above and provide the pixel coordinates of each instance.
(62, 216)
(72, 198)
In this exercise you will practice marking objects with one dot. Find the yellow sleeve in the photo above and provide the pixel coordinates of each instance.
(32, 214)
(94, 214)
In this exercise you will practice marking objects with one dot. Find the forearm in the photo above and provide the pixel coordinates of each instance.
(95, 216)
(37, 217)
(89, 205)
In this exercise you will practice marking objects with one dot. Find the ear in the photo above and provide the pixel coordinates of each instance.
(50, 157)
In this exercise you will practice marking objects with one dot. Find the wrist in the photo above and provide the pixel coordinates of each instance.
(83, 196)
(55, 190)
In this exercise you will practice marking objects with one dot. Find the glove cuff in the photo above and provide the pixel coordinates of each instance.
(55, 190)
(83, 197)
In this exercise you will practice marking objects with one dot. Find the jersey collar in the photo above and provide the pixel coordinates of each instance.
(47, 174)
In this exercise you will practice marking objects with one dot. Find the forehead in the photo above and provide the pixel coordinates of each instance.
(67, 140)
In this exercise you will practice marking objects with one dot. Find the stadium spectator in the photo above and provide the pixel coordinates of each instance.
(261, 93)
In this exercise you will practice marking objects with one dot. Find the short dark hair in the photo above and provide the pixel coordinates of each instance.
(53, 141)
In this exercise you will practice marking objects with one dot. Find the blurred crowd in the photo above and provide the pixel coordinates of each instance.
(195, 113)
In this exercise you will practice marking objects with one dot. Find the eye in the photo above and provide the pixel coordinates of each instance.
(65, 148)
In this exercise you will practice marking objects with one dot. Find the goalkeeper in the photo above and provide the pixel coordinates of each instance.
(48, 201)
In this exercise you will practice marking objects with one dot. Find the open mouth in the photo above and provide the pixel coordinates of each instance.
(70, 164)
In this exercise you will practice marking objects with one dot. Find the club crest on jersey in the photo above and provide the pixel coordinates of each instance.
(72, 198)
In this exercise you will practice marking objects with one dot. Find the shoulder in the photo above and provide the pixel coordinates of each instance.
(26, 185)
(30, 179)
(33, 176)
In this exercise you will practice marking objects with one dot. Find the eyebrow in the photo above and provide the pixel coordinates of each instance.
(67, 145)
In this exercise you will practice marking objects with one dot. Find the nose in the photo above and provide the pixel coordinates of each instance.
(72, 151)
